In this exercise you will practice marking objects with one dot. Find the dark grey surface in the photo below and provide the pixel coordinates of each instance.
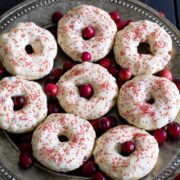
(40, 12)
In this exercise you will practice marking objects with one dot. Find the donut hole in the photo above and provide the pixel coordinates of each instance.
(19, 102)
(150, 101)
(144, 48)
(63, 138)
(29, 49)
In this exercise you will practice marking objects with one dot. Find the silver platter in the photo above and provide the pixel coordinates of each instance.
(39, 11)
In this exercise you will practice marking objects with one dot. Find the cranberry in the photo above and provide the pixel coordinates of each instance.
(162, 14)
(113, 70)
(56, 16)
(124, 74)
(105, 123)
(120, 25)
(127, 148)
(177, 82)
(25, 159)
(54, 108)
(105, 62)
(95, 125)
(160, 135)
(68, 65)
(86, 56)
(88, 32)
(114, 121)
(115, 16)
(51, 89)
(1, 71)
(128, 22)
(166, 74)
(173, 130)
(177, 177)
(26, 146)
(86, 90)
(99, 176)
(57, 73)
(89, 168)
(119, 83)
(18, 101)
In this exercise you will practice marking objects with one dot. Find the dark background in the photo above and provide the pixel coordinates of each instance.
(171, 8)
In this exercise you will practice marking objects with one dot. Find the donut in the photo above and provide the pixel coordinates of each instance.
(144, 31)
(104, 87)
(149, 102)
(70, 29)
(33, 112)
(63, 154)
(28, 51)
(107, 153)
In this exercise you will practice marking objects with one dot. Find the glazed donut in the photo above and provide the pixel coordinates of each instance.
(15, 57)
(104, 87)
(137, 165)
(128, 39)
(60, 155)
(149, 102)
(33, 112)
(70, 32)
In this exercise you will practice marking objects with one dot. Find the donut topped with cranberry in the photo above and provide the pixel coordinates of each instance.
(156, 42)
(86, 29)
(23, 105)
(28, 50)
(63, 142)
(149, 102)
(125, 152)
(87, 90)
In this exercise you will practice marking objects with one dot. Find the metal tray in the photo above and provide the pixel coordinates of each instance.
(39, 11)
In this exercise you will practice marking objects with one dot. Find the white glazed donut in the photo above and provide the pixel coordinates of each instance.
(34, 110)
(104, 87)
(15, 58)
(128, 39)
(134, 107)
(70, 32)
(136, 165)
(58, 155)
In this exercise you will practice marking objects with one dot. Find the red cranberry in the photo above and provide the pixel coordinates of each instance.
(57, 73)
(105, 123)
(1, 71)
(89, 168)
(25, 159)
(113, 70)
(161, 13)
(114, 121)
(86, 90)
(115, 16)
(177, 82)
(173, 130)
(105, 62)
(86, 56)
(124, 74)
(26, 146)
(88, 32)
(177, 177)
(119, 83)
(99, 176)
(53, 108)
(56, 16)
(18, 101)
(166, 74)
(68, 65)
(160, 135)
(95, 125)
(51, 89)
(120, 25)
(128, 22)
(127, 148)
